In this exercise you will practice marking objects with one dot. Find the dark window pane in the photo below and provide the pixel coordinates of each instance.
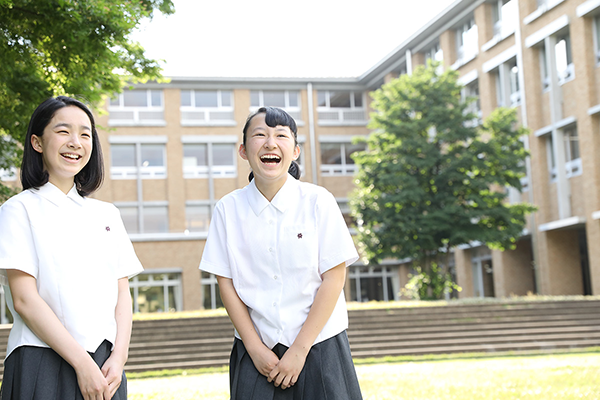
(339, 99)
(331, 153)
(153, 155)
(194, 155)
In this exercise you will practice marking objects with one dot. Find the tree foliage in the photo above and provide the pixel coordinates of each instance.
(66, 47)
(430, 178)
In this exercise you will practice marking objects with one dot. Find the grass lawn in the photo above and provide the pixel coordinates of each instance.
(523, 377)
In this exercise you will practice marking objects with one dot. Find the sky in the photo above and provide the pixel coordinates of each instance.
(282, 38)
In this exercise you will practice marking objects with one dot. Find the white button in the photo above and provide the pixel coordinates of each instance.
(271, 249)
(274, 304)
(271, 222)
(275, 277)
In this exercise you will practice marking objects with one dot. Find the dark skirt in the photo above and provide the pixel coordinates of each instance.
(328, 374)
(39, 373)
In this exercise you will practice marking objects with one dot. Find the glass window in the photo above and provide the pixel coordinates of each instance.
(206, 98)
(223, 154)
(336, 158)
(129, 215)
(186, 98)
(153, 155)
(322, 98)
(373, 284)
(226, 98)
(210, 288)
(571, 144)
(254, 98)
(197, 217)
(135, 98)
(339, 99)
(597, 37)
(156, 219)
(274, 98)
(194, 155)
(331, 153)
(153, 292)
(195, 160)
(564, 61)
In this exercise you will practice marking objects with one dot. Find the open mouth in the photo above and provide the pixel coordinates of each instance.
(271, 159)
(71, 156)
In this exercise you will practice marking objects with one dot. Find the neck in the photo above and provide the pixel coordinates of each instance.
(65, 185)
(270, 188)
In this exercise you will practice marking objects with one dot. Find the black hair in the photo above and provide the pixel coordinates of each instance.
(275, 117)
(33, 174)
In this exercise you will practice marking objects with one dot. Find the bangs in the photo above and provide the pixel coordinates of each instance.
(276, 116)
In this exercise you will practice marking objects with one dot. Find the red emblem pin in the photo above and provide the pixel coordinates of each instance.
(108, 229)
(299, 236)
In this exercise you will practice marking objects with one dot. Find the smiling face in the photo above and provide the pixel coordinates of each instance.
(269, 151)
(65, 145)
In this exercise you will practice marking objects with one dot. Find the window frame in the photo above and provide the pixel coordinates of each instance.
(207, 112)
(345, 115)
(136, 110)
(138, 170)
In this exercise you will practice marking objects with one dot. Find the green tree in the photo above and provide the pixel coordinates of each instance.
(79, 48)
(431, 180)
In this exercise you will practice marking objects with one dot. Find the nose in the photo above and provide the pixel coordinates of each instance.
(270, 143)
(74, 142)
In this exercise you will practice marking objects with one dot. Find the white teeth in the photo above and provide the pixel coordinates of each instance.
(270, 157)
(71, 156)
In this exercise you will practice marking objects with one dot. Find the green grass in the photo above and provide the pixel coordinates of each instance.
(564, 376)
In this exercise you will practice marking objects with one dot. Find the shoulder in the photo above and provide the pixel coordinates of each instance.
(307, 190)
(231, 199)
(20, 201)
(103, 207)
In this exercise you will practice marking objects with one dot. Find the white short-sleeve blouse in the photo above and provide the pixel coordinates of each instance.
(276, 252)
(76, 248)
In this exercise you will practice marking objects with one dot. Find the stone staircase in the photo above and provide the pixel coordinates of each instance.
(462, 327)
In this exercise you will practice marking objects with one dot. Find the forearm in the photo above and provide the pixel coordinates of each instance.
(42, 321)
(325, 300)
(238, 313)
(123, 315)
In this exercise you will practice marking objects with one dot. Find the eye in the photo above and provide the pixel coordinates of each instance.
(87, 135)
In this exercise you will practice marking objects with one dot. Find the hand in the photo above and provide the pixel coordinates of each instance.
(92, 383)
(286, 373)
(264, 359)
(113, 372)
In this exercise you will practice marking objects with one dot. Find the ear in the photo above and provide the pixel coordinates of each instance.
(36, 143)
(242, 152)
(296, 152)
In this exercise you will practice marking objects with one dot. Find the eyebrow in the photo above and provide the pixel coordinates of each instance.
(67, 125)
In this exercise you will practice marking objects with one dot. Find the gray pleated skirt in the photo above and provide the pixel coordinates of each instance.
(328, 374)
(39, 373)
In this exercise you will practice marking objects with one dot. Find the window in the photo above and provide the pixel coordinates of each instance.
(289, 100)
(573, 166)
(564, 60)
(128, 160)
(504, 15)
(374, 283)
(137, 107)
(207, 107)
(210, 288)
(147, 217)
(336, 158)
(340, 107)
(196, 162)
(471, 93)
(435, 54)
(466, 41)
(156, 292)
(507, 84)
(197, 216)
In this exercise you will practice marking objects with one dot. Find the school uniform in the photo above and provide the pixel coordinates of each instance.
(275, 253)
(77, 249)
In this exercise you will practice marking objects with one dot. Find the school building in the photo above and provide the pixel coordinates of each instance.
(171, 151)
